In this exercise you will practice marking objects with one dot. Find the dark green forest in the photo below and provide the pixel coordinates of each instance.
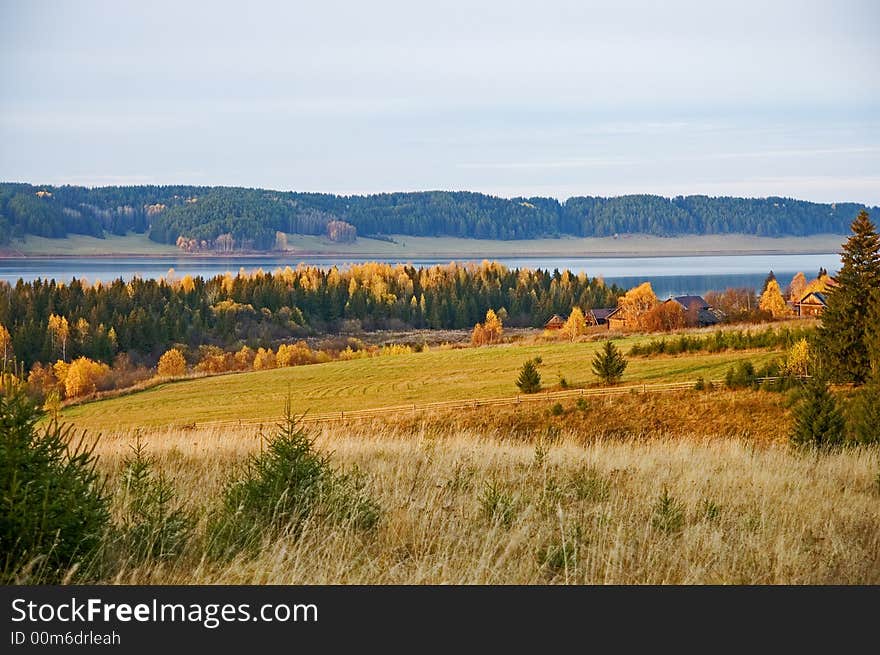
(253, 216)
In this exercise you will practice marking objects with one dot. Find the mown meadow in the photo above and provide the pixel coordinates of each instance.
(438, 374)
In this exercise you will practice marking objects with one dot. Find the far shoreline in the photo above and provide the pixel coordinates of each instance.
(405, 248)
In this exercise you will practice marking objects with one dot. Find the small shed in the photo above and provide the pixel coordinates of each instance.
(812, 304)
(555, 323)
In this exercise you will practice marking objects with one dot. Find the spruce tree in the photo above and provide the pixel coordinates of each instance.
(864, 415)
(609, 363)
(842, 339)
(529, 380)
(817, 419)
(872, 335)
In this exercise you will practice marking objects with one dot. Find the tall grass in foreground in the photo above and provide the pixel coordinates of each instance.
(457, 507)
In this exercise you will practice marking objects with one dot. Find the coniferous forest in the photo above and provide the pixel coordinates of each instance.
(248, 219)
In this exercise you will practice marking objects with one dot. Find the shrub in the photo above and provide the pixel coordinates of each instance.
(588, 484)
(668, 513)
(609, 363)
(741, 375)
(281, 487)
(529, 380)
(817, 420)
(53, 509)
(496, 505)
(557, 409)
(152, 525)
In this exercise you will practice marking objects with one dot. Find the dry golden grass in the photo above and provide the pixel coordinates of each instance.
(566, 509)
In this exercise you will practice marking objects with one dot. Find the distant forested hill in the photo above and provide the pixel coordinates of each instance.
(251, 217)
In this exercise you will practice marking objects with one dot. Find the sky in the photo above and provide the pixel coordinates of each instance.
(550, 98)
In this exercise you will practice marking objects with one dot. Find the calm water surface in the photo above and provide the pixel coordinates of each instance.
(668, 275)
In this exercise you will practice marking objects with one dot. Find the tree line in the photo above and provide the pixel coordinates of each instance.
(47, 320)
(251, 218)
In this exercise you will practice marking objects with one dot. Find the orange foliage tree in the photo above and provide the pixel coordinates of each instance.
(665, 317)
(5, 344)
(637, 302)
(575, 325)
(83, 376)
(172, 364)
(489, 331)
(773, 302)
(264, 359)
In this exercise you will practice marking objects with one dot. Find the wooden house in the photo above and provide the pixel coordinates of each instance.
(618, 321)
(554, 323)
(812, 304)
(699, 312)
(599, 316)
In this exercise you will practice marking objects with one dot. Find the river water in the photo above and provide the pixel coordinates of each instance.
(668, 275)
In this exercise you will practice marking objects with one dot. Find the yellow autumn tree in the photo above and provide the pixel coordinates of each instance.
(797, 360)
(821, 284)
(59, 329)
(773, 302)
(493, 327)
(797, 287)
(83, 377)
(244, 358)
(575, 325)
(172, 364)
(478, 335)
(489, 331)
(59, 369)
(187, 283)
(637, 302)
(264, 359)
(5, 344)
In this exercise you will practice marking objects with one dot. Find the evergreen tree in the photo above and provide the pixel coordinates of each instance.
(817, 420)
(872, 335)
(529, 380)
(864, 415)
(842, 339)
(609, 363)
(771, 277)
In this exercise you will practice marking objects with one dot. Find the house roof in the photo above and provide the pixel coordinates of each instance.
(555, 319)
(687, 301)
(819, 296)
(709, 316)
(603, 312)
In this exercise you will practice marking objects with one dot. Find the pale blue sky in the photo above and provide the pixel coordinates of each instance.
(549, 98)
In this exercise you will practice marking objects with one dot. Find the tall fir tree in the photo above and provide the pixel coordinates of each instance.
(817, 419)
(609, 363)
(872, 335)
(529, 380)
(842, 339)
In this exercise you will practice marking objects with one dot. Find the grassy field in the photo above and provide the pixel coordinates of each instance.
(77, 244)
(463, 508)
(439, 374)
(454, 248)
